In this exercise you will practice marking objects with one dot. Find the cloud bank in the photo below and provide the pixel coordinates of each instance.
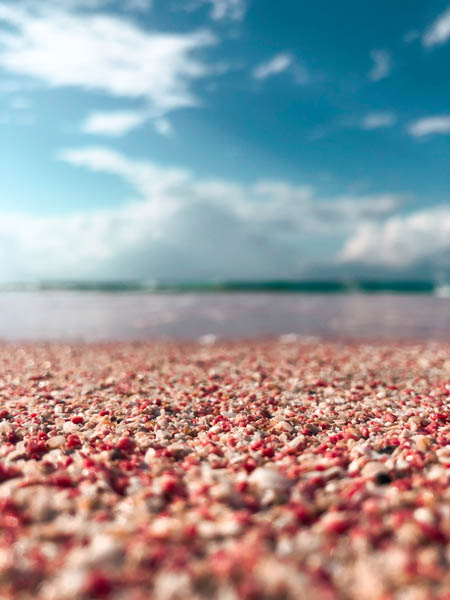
(402, 240)
(179, 226)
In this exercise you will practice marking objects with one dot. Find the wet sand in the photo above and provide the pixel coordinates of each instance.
(72, 316)
(259, 470)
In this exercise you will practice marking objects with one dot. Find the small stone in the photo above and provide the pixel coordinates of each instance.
(267, 478)
(443, 455)
(149, 456)
(284, 426)
(372, 469)
(70, 427)
(56, 441)
(424, 515)
(423, 442)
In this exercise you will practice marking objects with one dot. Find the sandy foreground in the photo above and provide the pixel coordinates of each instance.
(254, 471)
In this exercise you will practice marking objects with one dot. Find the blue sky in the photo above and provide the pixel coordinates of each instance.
(187, 139)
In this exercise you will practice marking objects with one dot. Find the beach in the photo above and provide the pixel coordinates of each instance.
(224, 300)
(257, 470)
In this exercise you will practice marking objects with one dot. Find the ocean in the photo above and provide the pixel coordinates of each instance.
(122, 313)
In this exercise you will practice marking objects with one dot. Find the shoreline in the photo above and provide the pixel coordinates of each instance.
(80, 316)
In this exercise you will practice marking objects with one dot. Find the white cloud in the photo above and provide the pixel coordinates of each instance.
(376, 120)
(103, 53)
(400, 241)
(382, 64)
(149, 180)
(113, 123)
(281, 63)
(439, 32)
(430, 126)
(274, 66)
(118, 123)
(233, 10)
(228, 9)
(179, 225)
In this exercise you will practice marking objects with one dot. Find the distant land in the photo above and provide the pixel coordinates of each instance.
(300, 287)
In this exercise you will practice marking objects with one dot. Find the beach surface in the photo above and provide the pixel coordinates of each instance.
(243, 470)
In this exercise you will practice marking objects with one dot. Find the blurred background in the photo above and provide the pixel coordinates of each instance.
(192, 168)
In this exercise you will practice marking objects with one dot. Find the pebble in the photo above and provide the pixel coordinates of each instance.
(70, 427)
(443, 455)
(423, 442)
(56, 441)
(373, 469)
(267, 478)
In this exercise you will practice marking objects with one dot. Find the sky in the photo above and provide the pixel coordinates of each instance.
(224, 139)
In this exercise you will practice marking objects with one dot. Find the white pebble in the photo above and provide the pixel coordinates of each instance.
(266, 478)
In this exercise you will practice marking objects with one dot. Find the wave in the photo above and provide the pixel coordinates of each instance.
(286, 286)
